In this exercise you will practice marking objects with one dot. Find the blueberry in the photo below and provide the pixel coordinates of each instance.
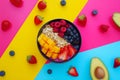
(94, 12)
(72, 28)
(74, 31)
(63, 2)
(12, 53)
(2, 73)
(75, 42)
(76, 47)
(68, 30)
(49, 71)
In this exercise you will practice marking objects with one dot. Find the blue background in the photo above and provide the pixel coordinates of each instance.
(82, 62)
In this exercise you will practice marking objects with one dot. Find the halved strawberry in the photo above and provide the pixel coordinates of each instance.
(73, 72)
(63, 55)
(31, 59)
(38, 19)
(116, 62)
(17, 3)
(72, 50)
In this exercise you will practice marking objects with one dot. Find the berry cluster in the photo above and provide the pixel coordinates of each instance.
(59, 27)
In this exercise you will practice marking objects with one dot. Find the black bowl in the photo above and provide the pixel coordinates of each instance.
(78, 42)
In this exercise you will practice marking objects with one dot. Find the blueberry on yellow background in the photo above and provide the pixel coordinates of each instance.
(24, 42)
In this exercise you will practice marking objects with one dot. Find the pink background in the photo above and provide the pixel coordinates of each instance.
(16, 16)
(91, 36)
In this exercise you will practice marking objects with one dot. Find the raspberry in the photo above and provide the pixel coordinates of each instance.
(57, 24)
(61, 34)
(52, 24)
(63, 29)
(6, 25)
(104, 28)
(63, 22)
(55, 30)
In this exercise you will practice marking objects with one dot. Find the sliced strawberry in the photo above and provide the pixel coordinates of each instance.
(38, 19)
(72, 50)
(63, 55)
(31, 59)
(116, 62)
(17, 3)
(42, 5)
(73, 72)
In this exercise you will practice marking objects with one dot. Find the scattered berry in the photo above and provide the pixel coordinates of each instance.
(17, 3)
(82, 19)
(12, 53)
(116, 62)
(38, 20)
(2, 73)
(31, 59)
(49, 71)
(94, 12)
(104, 28)
(42, 5)
(6, 25)
(73, 72)
(63, 2)
(63, 29)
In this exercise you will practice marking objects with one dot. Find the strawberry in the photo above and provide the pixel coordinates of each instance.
(72, 50)
(116, 62)
(104, 28)
(6, 25)
(42, 5)
(63, 55)
(63, 29)
(31, 59)
(17, 3)
(73, 72)
(38, 19)
(82, 19)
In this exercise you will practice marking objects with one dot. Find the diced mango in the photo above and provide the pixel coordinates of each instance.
(54, 56)
(56, 49)
(42, 42)
(49, 54)
(51, 42)
(44, 50)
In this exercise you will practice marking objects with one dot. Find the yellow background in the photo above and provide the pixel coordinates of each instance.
(24, 43)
